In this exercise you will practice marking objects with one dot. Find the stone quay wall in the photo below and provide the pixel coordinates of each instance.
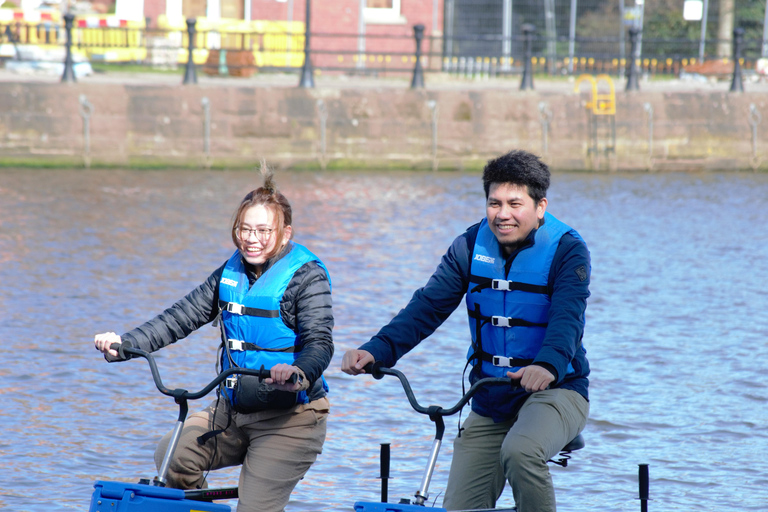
(106, 124)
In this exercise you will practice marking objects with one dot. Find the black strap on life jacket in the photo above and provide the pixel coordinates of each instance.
(478, 353)
(242, 345)
(239, 309)
(502, 284)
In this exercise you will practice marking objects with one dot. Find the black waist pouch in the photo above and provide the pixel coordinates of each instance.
(254, 395)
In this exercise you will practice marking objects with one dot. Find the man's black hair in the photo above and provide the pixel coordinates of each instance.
(519, 168)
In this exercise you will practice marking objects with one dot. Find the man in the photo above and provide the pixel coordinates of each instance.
(525, 275)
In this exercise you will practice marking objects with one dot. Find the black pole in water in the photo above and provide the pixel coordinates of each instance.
(190, 72)
(738, 40)
(632, 84)
(307, 79)
(418, 71)
(527, 81)
(69, 68)
(384, 457)
(643, 485)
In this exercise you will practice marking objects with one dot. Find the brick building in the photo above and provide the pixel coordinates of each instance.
(345, 33)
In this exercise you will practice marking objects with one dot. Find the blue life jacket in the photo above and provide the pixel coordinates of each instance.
(508, 313)
(252, 326)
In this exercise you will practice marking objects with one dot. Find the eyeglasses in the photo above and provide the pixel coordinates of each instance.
(262, 234)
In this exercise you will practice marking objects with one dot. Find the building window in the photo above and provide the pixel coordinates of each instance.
(383, 11)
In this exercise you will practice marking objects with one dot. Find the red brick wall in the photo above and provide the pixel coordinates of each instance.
(153, 9)
(335, 27)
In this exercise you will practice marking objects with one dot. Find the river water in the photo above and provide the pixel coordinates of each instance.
(677, 331)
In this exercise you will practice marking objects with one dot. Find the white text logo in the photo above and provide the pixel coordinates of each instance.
(228, 282)
(485, 259)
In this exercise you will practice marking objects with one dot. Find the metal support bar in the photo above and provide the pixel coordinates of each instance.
(649, 113)
(434, 107)
(86, 110)
(422, 495)
(545, 114)
(322, 112)
(206, 127)
(754, 120)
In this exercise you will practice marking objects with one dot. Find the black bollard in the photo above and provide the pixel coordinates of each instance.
(632, 84)
(307, 79)
(384, 461)
(643, 486)
(190, 72)
(418, 71)
(69, 68)
(738, 40)
(527, 81)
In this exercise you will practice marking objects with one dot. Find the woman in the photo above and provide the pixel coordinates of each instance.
(273, 300)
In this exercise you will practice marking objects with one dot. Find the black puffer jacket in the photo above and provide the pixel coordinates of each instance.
(306, 308)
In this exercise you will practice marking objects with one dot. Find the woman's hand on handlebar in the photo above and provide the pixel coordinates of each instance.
(281, 373)
(104, 340)
(533, 378)
(354, 361)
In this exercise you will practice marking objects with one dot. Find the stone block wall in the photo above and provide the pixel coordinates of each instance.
(157, 125)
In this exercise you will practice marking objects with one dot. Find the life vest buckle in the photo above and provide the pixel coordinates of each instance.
(502, 361)
(500, 284)
(231, 381)
(236, 344)
(235, 309)
(500, 321)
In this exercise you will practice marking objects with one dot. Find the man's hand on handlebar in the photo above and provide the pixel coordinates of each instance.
(533, 378)
(354, 361)
(280, 375)
(104, 340)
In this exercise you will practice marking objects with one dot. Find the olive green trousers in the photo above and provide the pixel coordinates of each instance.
(487, 454)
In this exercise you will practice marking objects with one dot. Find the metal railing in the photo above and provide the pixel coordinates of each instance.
(216, 52)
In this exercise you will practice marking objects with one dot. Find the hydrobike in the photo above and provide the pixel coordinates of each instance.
(153, 495)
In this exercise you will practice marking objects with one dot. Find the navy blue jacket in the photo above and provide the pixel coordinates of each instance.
(432, 304)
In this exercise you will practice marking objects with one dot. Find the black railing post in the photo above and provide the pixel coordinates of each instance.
(307, 79)
(69, 67)
(190, 72)
(418, 71)
(738, 40)
(527, 81)
(632, 83)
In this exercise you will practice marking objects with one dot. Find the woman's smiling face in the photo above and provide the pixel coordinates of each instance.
(257, 234)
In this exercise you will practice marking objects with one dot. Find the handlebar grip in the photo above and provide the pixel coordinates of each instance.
(120, 348)
(265, 374)
(374, 369)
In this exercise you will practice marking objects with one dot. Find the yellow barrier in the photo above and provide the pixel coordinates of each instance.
(273, 43)
(109, 39)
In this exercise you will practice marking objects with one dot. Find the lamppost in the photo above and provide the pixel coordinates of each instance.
(307, 79)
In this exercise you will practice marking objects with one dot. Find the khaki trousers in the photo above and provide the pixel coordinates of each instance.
(487, 454)
(276, 448)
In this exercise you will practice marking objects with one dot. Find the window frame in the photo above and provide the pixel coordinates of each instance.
(384, 15)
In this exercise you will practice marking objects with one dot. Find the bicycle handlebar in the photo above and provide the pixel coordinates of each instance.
(126, 351)
(378, 371)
